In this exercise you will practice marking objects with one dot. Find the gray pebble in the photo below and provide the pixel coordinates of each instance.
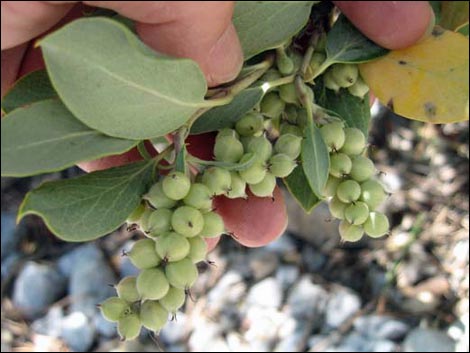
(36, 288)
(51, 324)
(267, 293)
(313, 260)
(68, 262)
(306, 299)
(262, 263)
(78, 332)
(342, 304)
(428, 340)
(286, 275)
(9, 240)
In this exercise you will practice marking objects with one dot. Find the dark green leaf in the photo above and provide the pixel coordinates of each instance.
(113, 83)
(463, 29)
(92, 205)
(227, 115)
(436, 7)
(33, 87)
(315, 158)
(46, 137)
(263, 25)
(299, 188)
(345, 44)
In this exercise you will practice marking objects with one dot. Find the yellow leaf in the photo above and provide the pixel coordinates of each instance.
(427, 81)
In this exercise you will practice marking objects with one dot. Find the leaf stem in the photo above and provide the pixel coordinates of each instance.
(143, 151)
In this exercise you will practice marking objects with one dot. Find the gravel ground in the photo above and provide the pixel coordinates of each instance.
(304, 292)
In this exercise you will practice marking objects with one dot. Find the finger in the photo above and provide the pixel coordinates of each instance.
(24, 20)
(211, 243)
(391, 24)
(202, 31)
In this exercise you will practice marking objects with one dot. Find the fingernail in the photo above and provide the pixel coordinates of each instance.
(431, 25)
(225, 59)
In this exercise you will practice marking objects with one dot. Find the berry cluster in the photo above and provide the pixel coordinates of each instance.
(355, 194)
(345, 76)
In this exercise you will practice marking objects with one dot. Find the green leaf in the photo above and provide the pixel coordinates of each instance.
(227, 115)
(31, 88)
(345, 44)
(90, 206)
(454, 14)
(463, 29)
(299, 188)
(46, 137)
(315, 158)
(263, 25)
(436, 7)
(353, 110)
(113, 83)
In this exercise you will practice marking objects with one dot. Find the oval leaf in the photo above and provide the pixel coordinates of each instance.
(46, 137)
(426, 82)
(299, 188)
(315, 159)
(453, 14)
(263, 25)
(33, 87)
(227, 115)
(114, 84)
(92, 205)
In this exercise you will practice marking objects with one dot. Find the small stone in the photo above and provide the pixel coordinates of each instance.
(262, 263)
(428, 340)
(9, 240)
(313, 260)
(229, 290)
(292, 343)
(383, 346)
(69, 261)
(306, 299)
(104, 327)
(175, 331)
(381, 327)
(36, 288)
(356, 342)
(267, 293)
(77, 332)
(204, 334)
(10, 263)
(342, 305)
(51, 324)
(286, 275)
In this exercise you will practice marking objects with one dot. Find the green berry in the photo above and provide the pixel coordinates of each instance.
(153, 315)
(159, 221)
(333, 135)
(302, 119)
(285, 65)
(217, 180)
(281, 165)
(181, 274)
(152, 284)
(127, 289)
(330, 82)
(340, 164)
(129, 327)
(197, 249)
(227, 132)
(213, 225)
(372, 193)
(290, 114)
(272, 105)
(337, 208)
(187, 221)
(350, 232)
(172, 246)
(331, 186)
(359, 88)
(237, 187)
(113, 308)
(143, 254)
(176, 185)
(348, 191)
(354, 142)
(261, 147)
(376, 225)
(174, 299)
(288, 93)
(265, 187)
(289, 145)
(250, 124)
(345, 75)
(135, 216)
(199, 197)
(357, 213)
(228, 149)
(157, 198)
(255, 172)
(290, 129)
(362, 168)
(271, 75)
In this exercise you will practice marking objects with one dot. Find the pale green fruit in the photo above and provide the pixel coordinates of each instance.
(227, 132)
(187, 221)
(333, 135)
(228, 149)
(357, 213)
(376, 225)
(330, 186)
(255, 172)
(345, 75)
(372, 193)
(290, 114)
(113, 308)
(181, 274)
(152, 284)
(272, 105)
(217, 180)
(362, 168)
(350, 232)
(127, 289)
(289, 145)
(330, 82)
(348, 191)
(197, 249)
(250, 124)
(287, 128)
(199, 197)
(129, 327)
(172, 246)
(159, 221)
(261, 147)
(174, 299)
(340, 165)
(288, 93)
(281, 165)
(176, 185)
(337, 208)
(143, 254)
(135, 216)
(271, 75)
(153, 315)
(359, 88)
(284, 63)
(213, 225)
(237, 187)
(264, 188)
(354, 142)
(157, 198)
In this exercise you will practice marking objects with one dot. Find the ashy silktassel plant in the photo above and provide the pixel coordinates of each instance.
(298, 113)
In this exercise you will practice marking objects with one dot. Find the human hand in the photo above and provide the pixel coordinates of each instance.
(204, 33)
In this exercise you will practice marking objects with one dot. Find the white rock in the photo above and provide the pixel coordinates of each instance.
(78, 332)
(342, 305)
(266, 293)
